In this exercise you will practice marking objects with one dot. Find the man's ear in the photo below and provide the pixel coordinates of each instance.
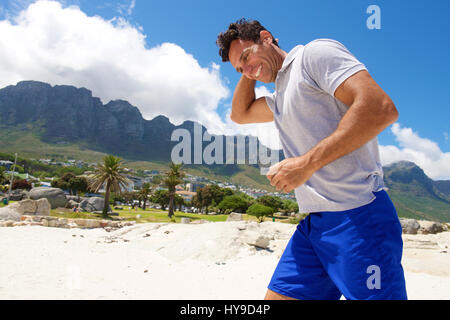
(265, 36)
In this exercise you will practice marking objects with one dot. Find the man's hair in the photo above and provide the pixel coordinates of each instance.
(240, 30)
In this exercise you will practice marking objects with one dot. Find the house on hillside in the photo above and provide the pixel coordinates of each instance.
(186, 195)
(7, 164)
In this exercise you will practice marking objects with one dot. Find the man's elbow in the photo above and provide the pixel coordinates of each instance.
(239, 119)
(390, 111)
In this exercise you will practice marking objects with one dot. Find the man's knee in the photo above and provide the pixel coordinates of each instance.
(271, 295)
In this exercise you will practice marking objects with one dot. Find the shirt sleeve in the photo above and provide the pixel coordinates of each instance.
(271, 102)
(328, 63)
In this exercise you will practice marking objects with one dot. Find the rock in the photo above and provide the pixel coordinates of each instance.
(52, 223)
(93, 204)
(409, 226)
(201, 221)
(212, 213)
(185, 220)
(257, 240)
(18, 195)
(45, 222)
(91, 223)
(235, 217)
(76, 199)
(8, 223)
(81, 222)
(71, 204)
(7, 213)
(43, 207)
(55, 196)
(431, 227)
(24, 207)
(71, 225)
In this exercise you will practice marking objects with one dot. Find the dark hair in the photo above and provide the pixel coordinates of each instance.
(243, 30)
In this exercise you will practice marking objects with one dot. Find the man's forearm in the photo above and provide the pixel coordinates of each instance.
(357, 127)
(243, 97)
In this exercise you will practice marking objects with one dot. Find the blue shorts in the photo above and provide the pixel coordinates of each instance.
(356, 253)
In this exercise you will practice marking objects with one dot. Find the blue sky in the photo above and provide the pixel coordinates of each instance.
(408, 56)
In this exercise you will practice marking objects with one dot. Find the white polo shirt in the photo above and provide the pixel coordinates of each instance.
(306, 111)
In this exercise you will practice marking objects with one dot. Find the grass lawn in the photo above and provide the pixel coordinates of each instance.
(152, 215)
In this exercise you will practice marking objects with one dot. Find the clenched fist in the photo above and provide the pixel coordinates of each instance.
(290, 173)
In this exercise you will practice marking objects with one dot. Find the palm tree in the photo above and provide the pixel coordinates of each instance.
(143, 194)
(110, 173)
(173, 178)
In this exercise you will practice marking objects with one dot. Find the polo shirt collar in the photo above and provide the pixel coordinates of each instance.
(289, 58)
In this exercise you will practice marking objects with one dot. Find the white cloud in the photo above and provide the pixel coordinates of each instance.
(127, 7)
(62, 45)
(424, 152)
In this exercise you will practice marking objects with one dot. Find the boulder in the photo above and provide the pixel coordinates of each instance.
(431, 227)
(55, 196)
(185, 220)
(71, 204)
(18, 195)
(27, 206)
(93, 204)
(212, 213)
(9, 214)
(257, 240)
(235, 217)
(43, 207)
(409, 226)
(77, 199)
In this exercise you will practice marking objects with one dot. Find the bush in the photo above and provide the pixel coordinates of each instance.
(259, 211)
(271, 201)
(233, 203)
(21, 184)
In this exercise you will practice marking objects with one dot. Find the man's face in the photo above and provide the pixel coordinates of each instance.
(254, 60)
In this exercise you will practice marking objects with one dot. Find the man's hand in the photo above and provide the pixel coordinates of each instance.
(290, 173)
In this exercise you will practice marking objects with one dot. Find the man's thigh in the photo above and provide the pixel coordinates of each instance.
(299, 273)
(362, 250)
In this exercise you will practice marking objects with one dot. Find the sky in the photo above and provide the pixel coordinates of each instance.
(161, 56)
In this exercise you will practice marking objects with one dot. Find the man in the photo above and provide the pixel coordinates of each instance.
(328, 111)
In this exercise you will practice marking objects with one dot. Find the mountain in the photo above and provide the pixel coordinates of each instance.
(36, 116)
(415, 195)
(38, 120)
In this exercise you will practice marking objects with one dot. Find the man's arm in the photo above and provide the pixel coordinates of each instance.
(247, 109)
(370, 112)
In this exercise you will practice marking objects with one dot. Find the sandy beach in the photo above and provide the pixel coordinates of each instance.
(176, 261)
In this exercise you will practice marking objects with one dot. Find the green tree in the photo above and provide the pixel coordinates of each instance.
(210, 195)
(290, 206)
(259, 211)
(144, 193)
(3, 177)
(71, 182)
(110, 174)
(179, 201)
(161, 197)
(271, 201)
(233, 203)
(174, 176)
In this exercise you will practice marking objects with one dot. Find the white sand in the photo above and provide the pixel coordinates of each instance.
(176, 261)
